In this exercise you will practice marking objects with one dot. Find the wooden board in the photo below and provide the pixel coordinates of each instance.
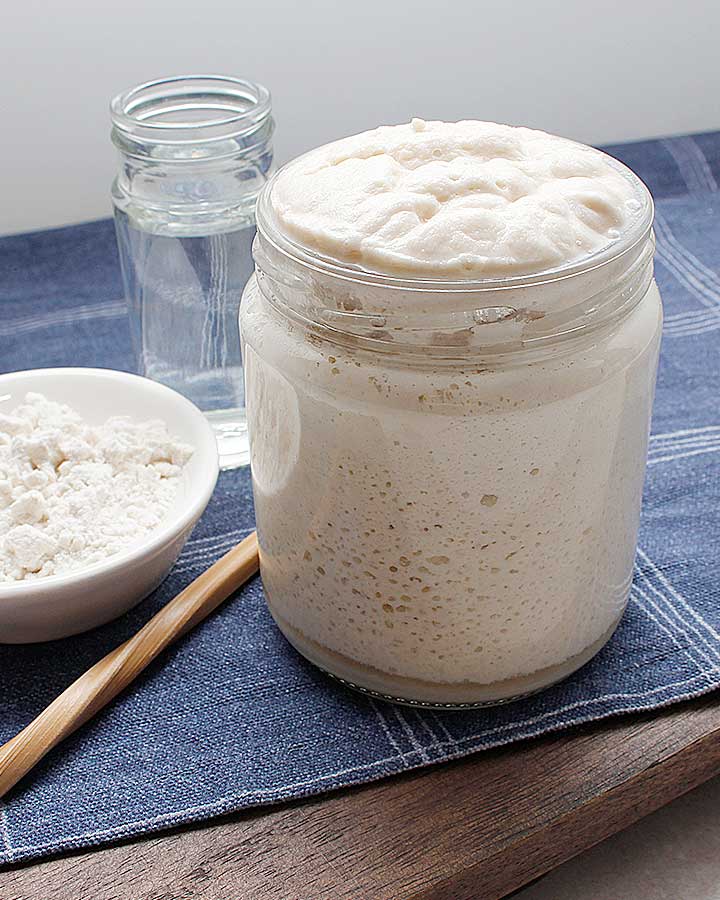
(476, 829)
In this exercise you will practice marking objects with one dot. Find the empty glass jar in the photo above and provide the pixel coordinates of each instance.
(195, 152)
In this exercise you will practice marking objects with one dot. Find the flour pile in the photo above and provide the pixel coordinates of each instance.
(72, 494)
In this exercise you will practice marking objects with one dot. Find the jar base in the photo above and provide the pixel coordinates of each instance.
(231, 433)
(416, 692)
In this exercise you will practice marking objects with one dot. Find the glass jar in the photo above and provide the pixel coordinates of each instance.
(448, 475)
(195, 152)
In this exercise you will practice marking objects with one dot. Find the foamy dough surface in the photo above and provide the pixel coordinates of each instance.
(464, 199)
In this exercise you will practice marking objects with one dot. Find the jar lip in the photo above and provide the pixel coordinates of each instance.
(308, 258)
(186, 109)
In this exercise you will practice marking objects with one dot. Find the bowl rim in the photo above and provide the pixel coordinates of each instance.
(201, 491)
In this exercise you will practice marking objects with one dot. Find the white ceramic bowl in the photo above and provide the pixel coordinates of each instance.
(59, 605)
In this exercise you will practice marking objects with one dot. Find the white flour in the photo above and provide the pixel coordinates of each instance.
(72, 494)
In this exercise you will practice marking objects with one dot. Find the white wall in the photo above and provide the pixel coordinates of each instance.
(596, 70)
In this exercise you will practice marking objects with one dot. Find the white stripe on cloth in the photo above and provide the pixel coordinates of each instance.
(214, 538)
(412, 737)
(201, 559)
(425, 725)
(692, 165)
(673, 456)
(26, 324)
(709, 653)
(689, 316)
(683, 444)
(5, 832)
(441, 726)
(712, 324)
(703, 165)
(686, 444)
(578, 704)
(703, 271)
(701, 282)
(705, 283)
(678, 267)
(388, 733)
(677, 595)
(670, 631)
(683, 433)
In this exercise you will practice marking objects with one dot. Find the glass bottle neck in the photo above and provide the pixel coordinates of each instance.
(195, 152)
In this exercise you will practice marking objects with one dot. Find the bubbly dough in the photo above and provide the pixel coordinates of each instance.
(437, 521)
(466, 199)
(452, 524)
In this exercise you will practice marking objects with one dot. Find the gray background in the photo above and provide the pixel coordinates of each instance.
(673, 854)
(598, 71)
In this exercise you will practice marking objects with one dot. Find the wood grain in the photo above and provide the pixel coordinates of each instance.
(471, 830)
(101, 683)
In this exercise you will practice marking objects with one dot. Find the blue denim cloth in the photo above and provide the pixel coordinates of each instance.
(231, 717)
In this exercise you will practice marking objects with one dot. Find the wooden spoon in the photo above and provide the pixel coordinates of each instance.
(99, 685)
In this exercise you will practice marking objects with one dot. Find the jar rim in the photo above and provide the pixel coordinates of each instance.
(633, 238)
(188, 109)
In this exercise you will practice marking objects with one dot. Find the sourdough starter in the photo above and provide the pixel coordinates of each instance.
(454, 527)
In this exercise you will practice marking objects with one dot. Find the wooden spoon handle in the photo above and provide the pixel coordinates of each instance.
(114, 672)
